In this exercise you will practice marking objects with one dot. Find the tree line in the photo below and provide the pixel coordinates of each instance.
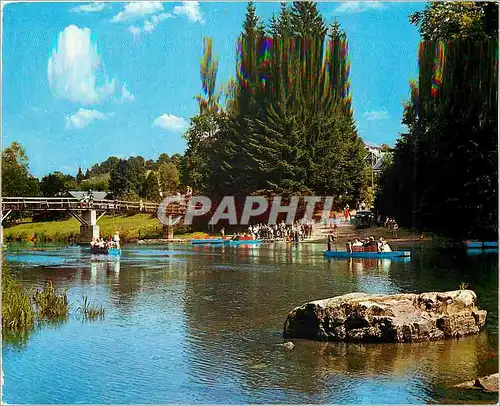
(444, 172)
(129, 179)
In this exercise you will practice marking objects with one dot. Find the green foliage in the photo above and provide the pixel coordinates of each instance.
(16, 179)
(449, 157)
(89, 311)
(169, 178)
(103, 168)
(127, 176)
(151, 187)
(57, 183)
(287, 126)
(17, 313)
(457, 20)
(98, 182)
(50, 304)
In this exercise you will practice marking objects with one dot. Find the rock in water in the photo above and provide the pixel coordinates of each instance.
(288, 345)
(402, 317)
(487, 383)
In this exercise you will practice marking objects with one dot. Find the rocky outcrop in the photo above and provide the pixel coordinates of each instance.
(486, 383)
(387, 318)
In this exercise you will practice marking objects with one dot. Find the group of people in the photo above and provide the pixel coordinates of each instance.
(297, 231)
(391, 224)
(106, 243)
(381, 244)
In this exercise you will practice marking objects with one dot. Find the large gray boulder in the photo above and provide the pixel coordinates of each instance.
(402, 317)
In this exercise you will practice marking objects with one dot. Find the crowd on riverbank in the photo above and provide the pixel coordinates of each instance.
(296, 231)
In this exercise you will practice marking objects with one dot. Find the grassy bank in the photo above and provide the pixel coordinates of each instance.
(130, 227)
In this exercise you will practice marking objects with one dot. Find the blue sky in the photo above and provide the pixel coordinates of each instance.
(83, 81)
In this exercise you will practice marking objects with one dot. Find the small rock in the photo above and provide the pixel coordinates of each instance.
(289, 345)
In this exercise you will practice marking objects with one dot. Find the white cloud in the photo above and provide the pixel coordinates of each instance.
(191, 9)
(376, 115)
(126, 95)
(89, 8)
(138, 9)
(73, 68)
(171, 123)
(358, 6)
(150, 24)
(82, 118)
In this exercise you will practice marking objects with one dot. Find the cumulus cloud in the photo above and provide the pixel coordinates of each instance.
(358, 6)
(126, 95)
(73, 69)
(150, 24)
(82, 118)
(171, 123)
(190, 9)
(89, 8)
(376, 115)
(138, 9)
(152, 14)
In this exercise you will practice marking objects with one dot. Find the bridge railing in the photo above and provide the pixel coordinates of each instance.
(69, 203)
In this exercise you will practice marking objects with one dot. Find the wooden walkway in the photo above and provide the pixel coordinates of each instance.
(72, 204)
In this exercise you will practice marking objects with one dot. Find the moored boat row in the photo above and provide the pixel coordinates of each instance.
(475, 244)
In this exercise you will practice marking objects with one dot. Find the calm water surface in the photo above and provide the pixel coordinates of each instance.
(203, 325)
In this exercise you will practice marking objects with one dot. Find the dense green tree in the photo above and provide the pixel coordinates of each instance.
(287, 124)
(16, 179)
(102, 168)
(151, 187)
(127, 177)
(57, 183)
(169, 178)
(100, 183)
(306, 20)
(448, 159)
(455, 20)
(79, 176)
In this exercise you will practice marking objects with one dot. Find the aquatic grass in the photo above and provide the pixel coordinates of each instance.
(50, 304)
(88, 311)
(17, 313)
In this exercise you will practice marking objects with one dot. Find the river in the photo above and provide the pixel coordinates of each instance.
(203, 325)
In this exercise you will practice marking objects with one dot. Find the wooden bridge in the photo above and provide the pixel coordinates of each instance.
(87, 212)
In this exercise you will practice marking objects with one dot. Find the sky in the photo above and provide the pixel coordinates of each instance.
(85, 81)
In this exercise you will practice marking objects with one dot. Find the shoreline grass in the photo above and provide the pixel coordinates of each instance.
(131, 227)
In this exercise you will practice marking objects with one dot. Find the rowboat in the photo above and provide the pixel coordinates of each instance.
(481, 251)
(362, 254)
(208, 241)
(106, 251)
(474, 244)
(242, 242)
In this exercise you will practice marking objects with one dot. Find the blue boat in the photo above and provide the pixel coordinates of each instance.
(364, 254)
(480, 251)
(208, 241)
(242, 242)
(474, 244)
(106, 251)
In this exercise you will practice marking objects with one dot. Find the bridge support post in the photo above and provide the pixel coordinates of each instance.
(89, 229)
(168, 232)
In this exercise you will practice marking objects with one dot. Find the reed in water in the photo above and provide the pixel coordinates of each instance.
(17, 313)
(88, 311)
(50, 304)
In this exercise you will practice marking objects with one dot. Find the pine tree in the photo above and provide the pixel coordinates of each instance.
(79, 176)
